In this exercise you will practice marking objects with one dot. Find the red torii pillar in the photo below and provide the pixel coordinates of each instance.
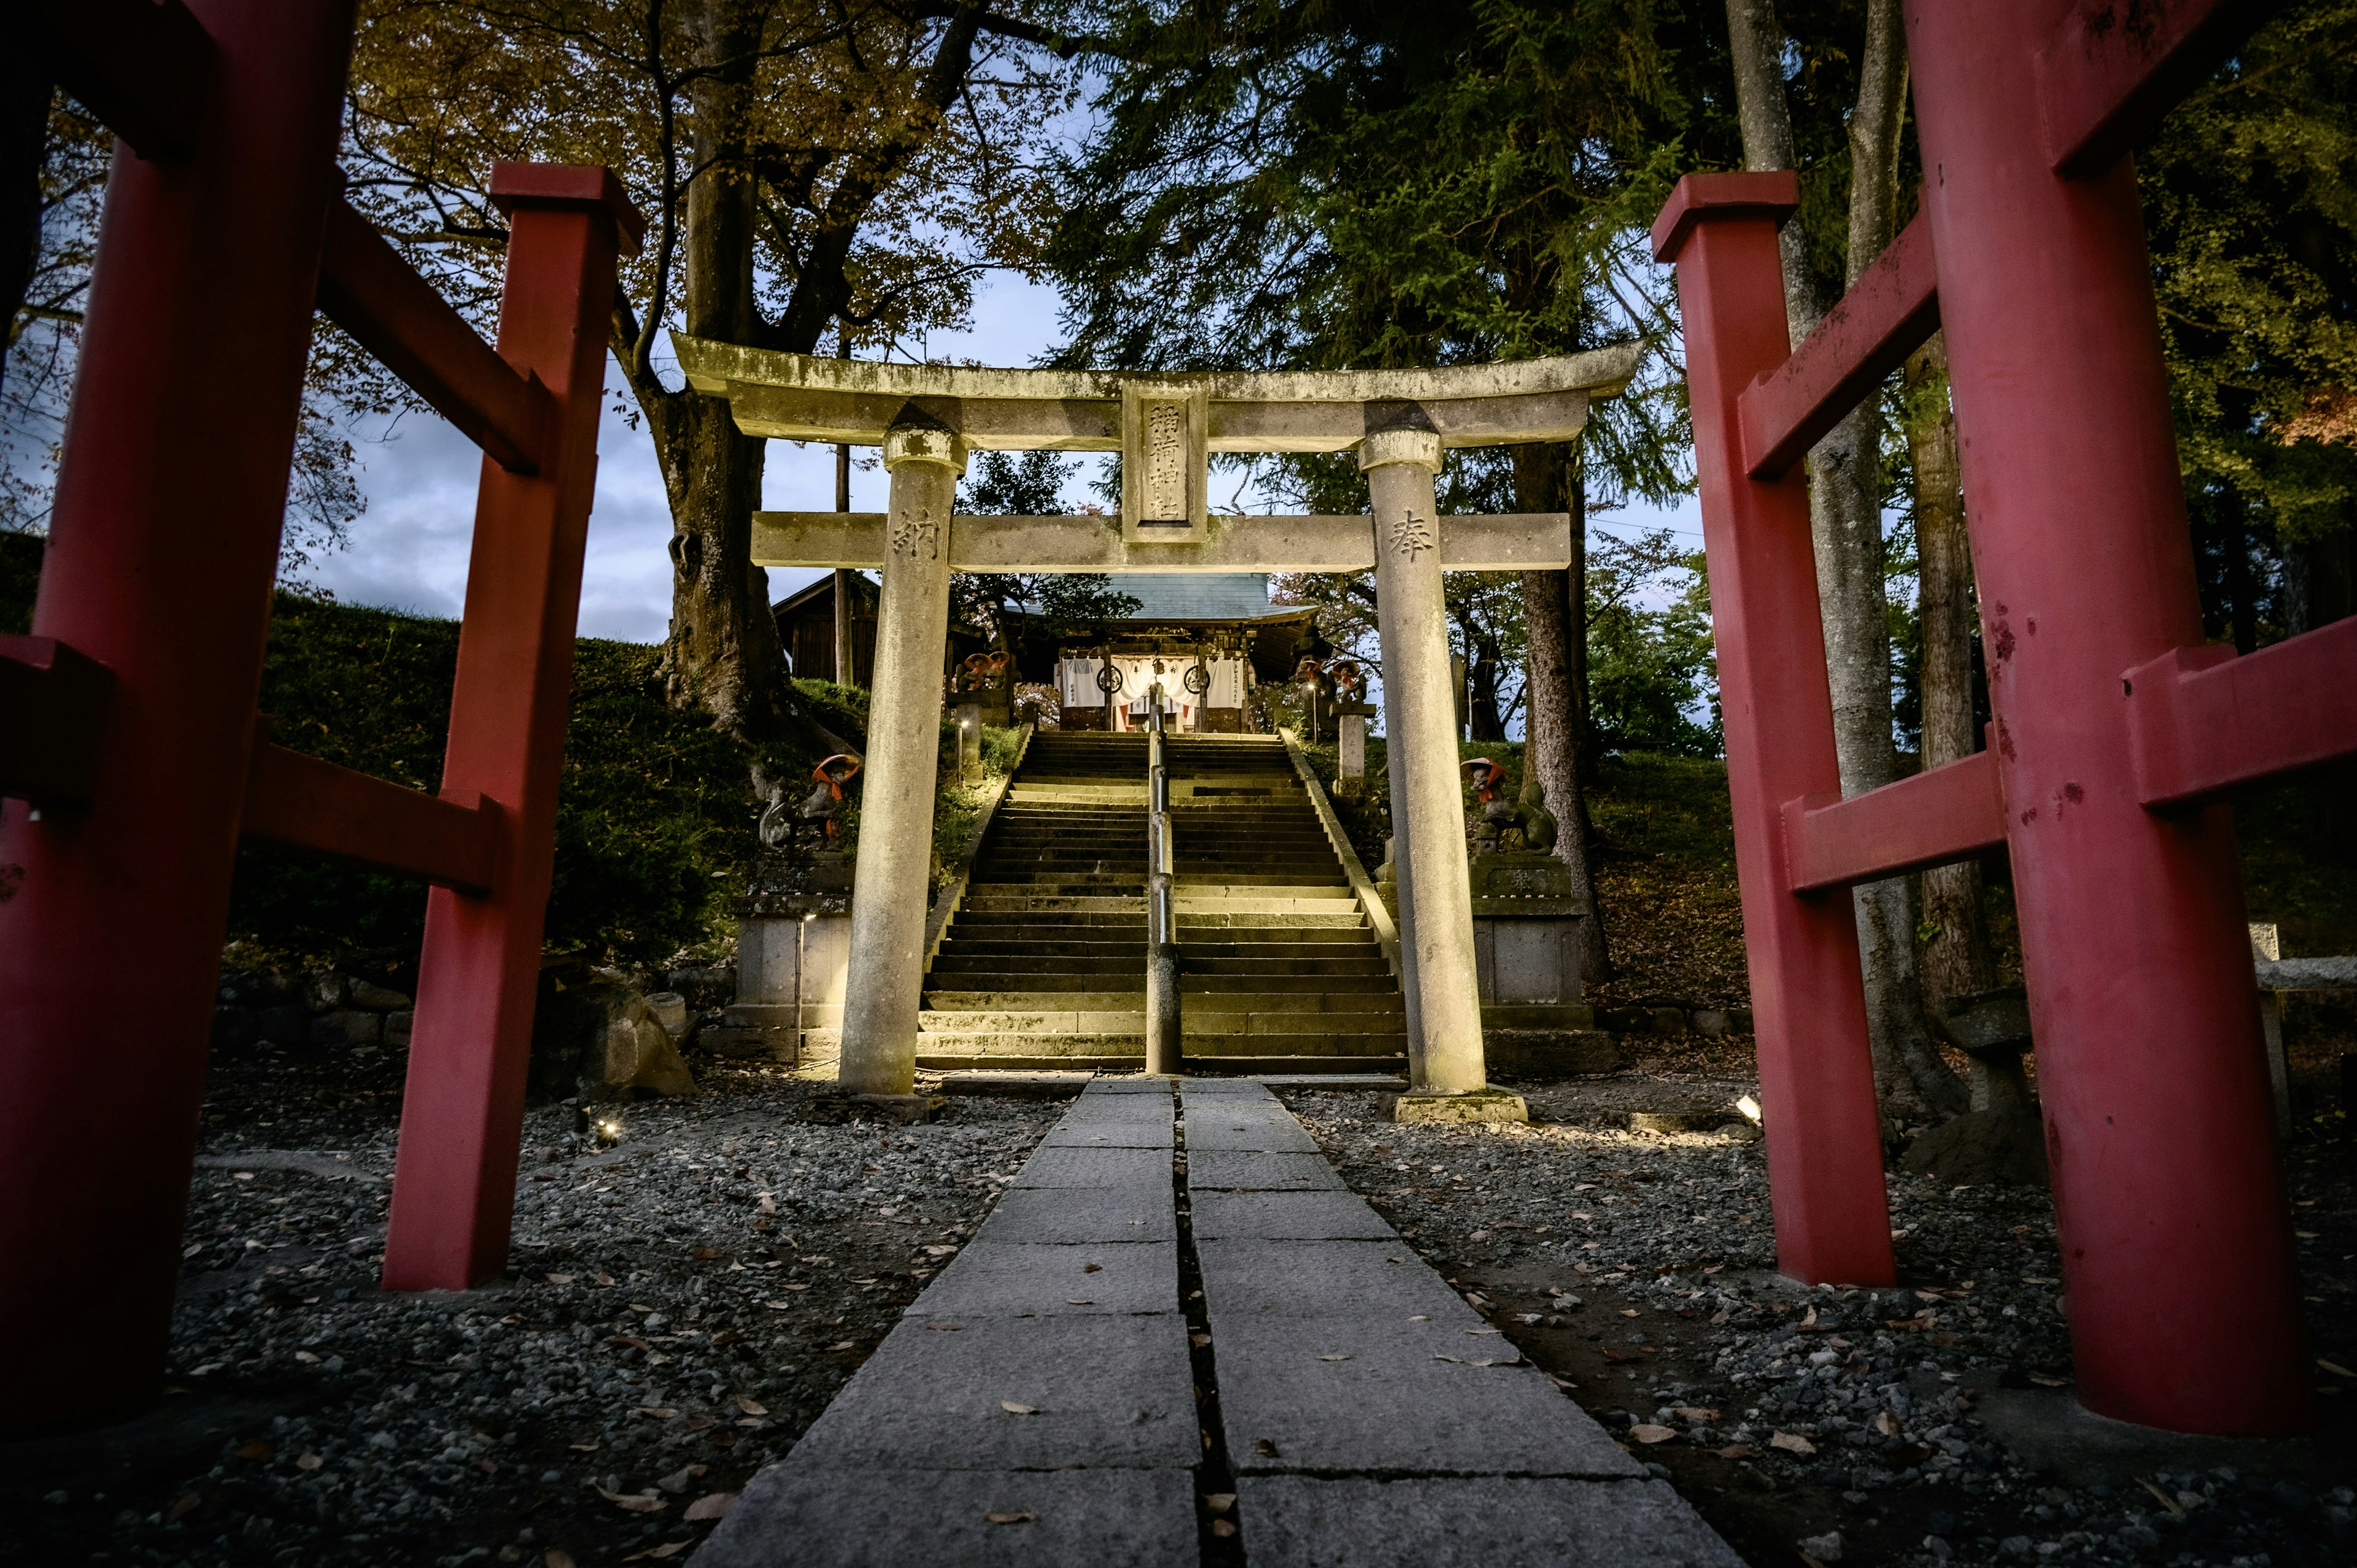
(462, 1116)
(1808, 995)
(163, 546)
(2181, 1287)
(155, 590)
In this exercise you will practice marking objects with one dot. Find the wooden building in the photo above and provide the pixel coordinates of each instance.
(806, 626)
(1220, 623)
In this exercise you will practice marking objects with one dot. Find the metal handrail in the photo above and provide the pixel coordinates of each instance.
(1162, 1033)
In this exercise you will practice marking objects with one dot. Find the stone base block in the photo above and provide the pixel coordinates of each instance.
(757, 1043)
(1550, 1053)
(906, 1109)
(1480, 1105)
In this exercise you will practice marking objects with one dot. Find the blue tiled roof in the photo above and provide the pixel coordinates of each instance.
(1191, 595)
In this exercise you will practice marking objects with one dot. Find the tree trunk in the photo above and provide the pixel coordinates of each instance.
(1955, 961)
(24, 94)
(723, 654)
(1846, 517)
(1554, 618)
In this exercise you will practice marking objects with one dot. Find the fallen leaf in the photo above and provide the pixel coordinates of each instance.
(1450, 1358)
(704, 1254)
(260, 1448)
(1223, 1528)
(307, 1358)
(659, 1411)
(1219, 1502)
(182, 1509)
(1693, 1412)
(751, 1406)
(1736, 1450)
(2046, 1382)
(1010, 1518)
(1078, 1300)
(634, 1504)
(1792, 1443)
(1646, 1432)
(1199, 1340)
(1011, 1408)
(1721, 1314)
(559, 1279)
(1886, 1424)
(583, 1447)
(1628, 1311)
(307, 1460)
(1265, 1448)
(1092, 1268)
(712, 1505)
(601, 1279)
(633, 1341)
(556, 1559)
(2338, 1371)
(2166, 1501)
(679, 1480)
(1334, 1357)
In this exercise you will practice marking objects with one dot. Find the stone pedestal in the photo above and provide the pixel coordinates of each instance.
(793, 948)
(1525, 928)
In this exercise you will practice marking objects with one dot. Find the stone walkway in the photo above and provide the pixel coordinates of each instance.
(1038, 1404)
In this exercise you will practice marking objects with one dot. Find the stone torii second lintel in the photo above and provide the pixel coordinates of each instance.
(1525, 542)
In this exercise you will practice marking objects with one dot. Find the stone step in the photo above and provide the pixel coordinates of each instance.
(1202, 890)
(1369, 1003)
(1297, 1030)
(963, 946)
(1030, 1001)
(1188, 984)
(1307, 952)
(1049, 1021)
(985, 900)
(1047, 963)
(1202, 917)
(984, 1044)
(1192, 963)
(1000, 982)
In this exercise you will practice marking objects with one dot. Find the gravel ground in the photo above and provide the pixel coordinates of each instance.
(681, 1305)
(1858, 1426)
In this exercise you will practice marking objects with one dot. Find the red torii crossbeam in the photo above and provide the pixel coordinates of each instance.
(2116, 730)
(131, 755)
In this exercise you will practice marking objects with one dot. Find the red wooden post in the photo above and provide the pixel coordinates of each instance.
(454, 1179)
(2182, 1293)
(1816, 1074)
(162, 550)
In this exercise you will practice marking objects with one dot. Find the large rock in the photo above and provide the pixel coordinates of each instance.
(1978, 1147)
(347, 1027)
(629, 1049)
(375, 998)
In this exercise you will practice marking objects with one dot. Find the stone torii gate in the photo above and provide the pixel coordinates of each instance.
(927, 418)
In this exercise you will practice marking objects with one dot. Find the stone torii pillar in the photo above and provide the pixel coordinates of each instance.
(1398, 421)
(1400, 462)
(884, 990)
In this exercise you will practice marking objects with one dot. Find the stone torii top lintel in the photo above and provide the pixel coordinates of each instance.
(799, 397)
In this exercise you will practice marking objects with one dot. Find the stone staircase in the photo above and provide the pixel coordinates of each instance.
(1044, 963)
(1043, 966)
(1279, 971)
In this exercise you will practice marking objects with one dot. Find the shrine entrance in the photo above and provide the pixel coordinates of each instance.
(927, 417)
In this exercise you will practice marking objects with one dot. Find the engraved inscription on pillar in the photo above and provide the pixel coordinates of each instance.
(917, 537)
(1166, 463)
(1410, 533)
